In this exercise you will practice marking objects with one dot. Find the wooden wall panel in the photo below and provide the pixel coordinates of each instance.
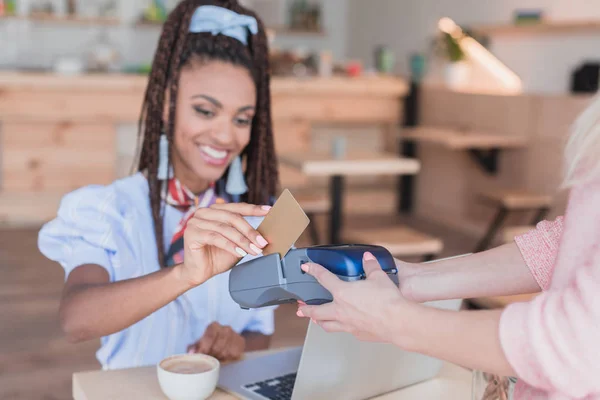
(28, 208)
(556, 115)
(449, 183)
(60, 157)
(291, 134)
(488, 113)
(90, 106)
(40, 155)
(333, 109)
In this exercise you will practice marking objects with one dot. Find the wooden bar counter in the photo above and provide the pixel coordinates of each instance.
(59, 132)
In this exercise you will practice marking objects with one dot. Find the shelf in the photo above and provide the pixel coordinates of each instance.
(277, 30)
(484, 148)
(74, 20)
(66, 19)
(284, 30)
(456, 139)
(149, 24)
(542, 28)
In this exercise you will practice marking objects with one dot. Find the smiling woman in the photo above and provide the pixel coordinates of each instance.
(206, 114)
(216, 107)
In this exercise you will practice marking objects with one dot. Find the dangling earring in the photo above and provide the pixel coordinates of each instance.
(236, 183)
(164, 172)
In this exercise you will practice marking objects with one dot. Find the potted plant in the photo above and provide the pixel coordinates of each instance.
(457, 69)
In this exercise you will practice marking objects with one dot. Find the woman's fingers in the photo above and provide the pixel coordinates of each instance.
(221, 342)
(233, 219)
(245, 209)
(332, 326)
(232, 234)
(219, 347)
(206, 342)
(325, 312)
(193, 348)
(199, 238)
(328, 280)
(234, 349)
(238, 349)
(370, 264)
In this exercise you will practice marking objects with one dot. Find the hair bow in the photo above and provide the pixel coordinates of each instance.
(219, 20)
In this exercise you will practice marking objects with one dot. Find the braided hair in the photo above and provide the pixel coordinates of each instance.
(177, 48)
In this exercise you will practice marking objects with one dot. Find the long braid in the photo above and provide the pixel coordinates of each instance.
(264, 178)
(175, 48)
(153, 124)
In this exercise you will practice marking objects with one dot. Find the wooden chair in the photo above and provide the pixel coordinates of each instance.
(512, 200)
(400, 241)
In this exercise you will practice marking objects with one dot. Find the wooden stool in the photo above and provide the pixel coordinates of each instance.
(512, 200)
(400, 241)
(313, 204)
(510, 232)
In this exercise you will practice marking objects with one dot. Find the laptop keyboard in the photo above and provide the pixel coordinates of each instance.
(274, 389)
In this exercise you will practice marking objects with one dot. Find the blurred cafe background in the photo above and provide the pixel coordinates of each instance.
(434, 128)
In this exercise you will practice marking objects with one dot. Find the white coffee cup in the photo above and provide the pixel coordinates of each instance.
(188, 376)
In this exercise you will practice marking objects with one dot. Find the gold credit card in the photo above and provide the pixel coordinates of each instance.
(283, 225)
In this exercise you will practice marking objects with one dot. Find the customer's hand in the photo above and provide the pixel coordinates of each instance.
(217, 237)
(221, 342)
(366, 309)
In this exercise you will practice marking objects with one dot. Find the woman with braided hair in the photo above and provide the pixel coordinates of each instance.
(146, 257)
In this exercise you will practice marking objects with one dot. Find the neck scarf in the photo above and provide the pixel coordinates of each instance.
(184, 200)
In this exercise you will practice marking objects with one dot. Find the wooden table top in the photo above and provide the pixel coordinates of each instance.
(517, 199)
(452, 382)
(353, 164)
(462, 140)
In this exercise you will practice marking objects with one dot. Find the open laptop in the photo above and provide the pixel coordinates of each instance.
(330, 366)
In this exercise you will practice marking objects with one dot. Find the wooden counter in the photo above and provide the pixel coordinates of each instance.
(37, 97)
(374, 85)
(59, 133)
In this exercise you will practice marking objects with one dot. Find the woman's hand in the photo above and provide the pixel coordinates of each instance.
(407, 275)
(217, 237)
(375, 310)
(365, 309)
(220, 342)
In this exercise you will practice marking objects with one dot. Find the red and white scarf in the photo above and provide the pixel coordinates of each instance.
(183, 199)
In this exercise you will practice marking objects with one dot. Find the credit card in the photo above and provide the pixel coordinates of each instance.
(283, 225)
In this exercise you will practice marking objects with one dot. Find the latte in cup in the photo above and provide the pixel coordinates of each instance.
(186, 366)
(188, 376)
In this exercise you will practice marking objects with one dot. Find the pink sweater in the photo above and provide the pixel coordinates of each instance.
(553, 342)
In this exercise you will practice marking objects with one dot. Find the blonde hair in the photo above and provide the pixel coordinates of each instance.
(582, 152)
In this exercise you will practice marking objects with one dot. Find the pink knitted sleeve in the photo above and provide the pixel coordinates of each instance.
(552, 341)
(539, 248)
